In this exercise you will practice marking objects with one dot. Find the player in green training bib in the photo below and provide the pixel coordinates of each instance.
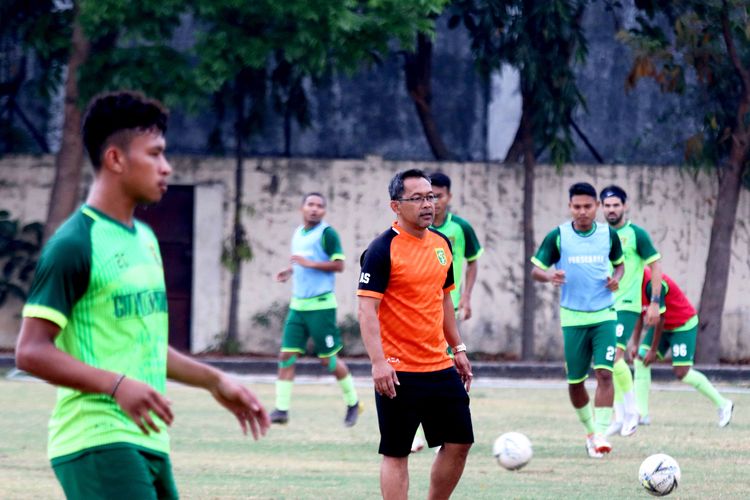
(581, 252)
(639, 252)
(95, 322)
(316, 255)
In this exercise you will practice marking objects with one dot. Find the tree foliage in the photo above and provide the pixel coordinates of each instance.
(543, 41)
(682, 45)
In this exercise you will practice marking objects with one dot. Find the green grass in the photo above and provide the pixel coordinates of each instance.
(314, 456)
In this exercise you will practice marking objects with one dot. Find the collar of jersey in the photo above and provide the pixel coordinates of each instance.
(98, 215)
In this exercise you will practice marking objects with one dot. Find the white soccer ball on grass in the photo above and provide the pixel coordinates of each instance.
(659, 474)
(512, 450)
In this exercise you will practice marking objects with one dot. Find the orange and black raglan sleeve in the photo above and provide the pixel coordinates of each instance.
(375, 265)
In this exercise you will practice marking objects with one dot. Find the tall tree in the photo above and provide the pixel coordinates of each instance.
(292, 41)
(543, 41)
(704, 54)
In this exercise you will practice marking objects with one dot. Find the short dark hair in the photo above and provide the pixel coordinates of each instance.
(439, 179)
(614, 190)
(314, 193)
(123, 111)
(582, 188)
(396, 186)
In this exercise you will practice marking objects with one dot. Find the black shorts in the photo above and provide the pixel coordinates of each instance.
(437, 400)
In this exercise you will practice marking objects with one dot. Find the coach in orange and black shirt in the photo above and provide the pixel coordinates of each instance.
(406, 317)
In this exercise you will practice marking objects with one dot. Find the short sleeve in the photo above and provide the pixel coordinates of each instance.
(616, 256)
(376, 267)
(644, 246)
(549, 251)
(473, 249)
(332, 244)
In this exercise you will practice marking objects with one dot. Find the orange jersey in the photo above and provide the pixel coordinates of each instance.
(411, 276)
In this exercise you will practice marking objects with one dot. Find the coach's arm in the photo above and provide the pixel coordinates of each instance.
(383, 375)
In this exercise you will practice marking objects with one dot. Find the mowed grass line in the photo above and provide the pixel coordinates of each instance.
(315, 456)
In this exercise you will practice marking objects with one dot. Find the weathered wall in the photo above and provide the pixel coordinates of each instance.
(674, 205)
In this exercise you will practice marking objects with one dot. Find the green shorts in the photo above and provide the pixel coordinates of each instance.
(320, 325)
(625, 325)
(115, 471)
(681, 343)
(584, 342)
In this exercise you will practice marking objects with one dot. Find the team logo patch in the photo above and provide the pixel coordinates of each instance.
(441, 256)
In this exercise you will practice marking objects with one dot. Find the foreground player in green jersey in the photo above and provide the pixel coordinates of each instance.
(581, 251)
(675, 332)
(95, 322)
(639, 252)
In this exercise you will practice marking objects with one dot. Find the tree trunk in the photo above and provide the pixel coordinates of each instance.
(529, 292)
(69, 160)
(238, 232)
(418, 71)
(719, 254)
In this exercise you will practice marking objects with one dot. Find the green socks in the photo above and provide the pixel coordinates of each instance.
(602, 418)
(704, 386)
(347, 387)
(642, 387)
(586, 416)
(283, 394)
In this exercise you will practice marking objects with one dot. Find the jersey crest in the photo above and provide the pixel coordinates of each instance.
(441, 256)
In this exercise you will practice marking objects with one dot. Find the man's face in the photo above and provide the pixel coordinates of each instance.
(614, 210)
(583, 210)
(442, 200)
(413, 209)
(145, 169)
(313, 210)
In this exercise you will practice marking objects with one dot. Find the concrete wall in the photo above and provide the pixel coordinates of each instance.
(673, 204)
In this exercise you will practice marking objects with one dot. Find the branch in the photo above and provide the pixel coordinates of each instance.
(729, 41)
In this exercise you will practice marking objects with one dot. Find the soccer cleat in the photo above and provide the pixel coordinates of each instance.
(352, 414)
(417, 445)
(591, 447)
(600, 444)
(725, 413)
(279, 416)
(629, 424)
(614, 428)
(644, 420)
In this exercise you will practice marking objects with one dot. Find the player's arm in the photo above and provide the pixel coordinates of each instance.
(453, 337)
(652, 313)
(333, 266)
(37, 354)
(546, 256)
(232, 395)
(650, 356)
(464, 303)
(635, 339)
(383, 375)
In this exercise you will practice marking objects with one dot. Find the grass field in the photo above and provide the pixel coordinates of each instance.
(314, 456)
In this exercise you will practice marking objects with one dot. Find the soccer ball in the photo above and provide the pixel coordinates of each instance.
(659, 474)
(512, 450)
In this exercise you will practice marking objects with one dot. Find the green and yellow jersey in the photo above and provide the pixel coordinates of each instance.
(102, 283)
(331, 246)
(639, 251)
(465, 245)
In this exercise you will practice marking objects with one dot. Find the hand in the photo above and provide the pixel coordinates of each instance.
(283, 275)
(385, 379)
(463, 366)
(613, 284)
(558, 277)
(464, 308)
(139, 400)
(650, 357)
(652, 314)
(632, 351)
(245, 406)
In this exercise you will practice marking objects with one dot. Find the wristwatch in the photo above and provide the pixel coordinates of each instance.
(459, 348)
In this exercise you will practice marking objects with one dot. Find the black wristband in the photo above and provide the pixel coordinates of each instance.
(117, 384)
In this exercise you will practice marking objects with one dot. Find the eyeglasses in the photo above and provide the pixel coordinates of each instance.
(429, 198)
